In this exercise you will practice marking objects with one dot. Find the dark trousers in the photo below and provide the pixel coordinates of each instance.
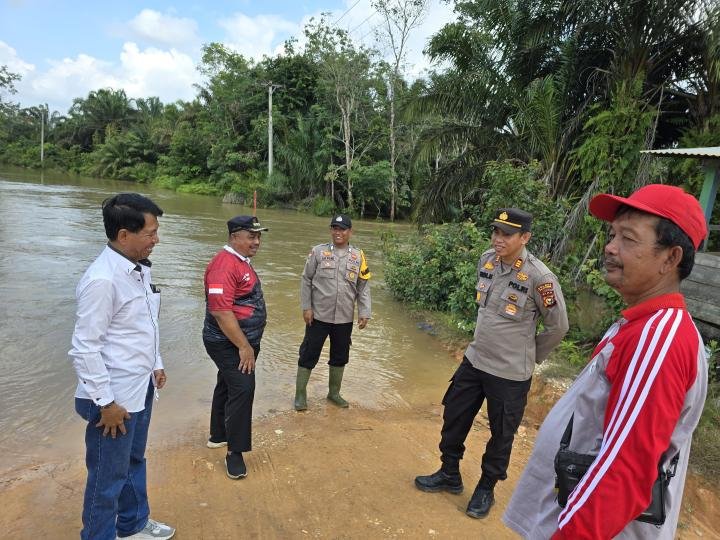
(506, 401)
(315, 336)
(231, 411)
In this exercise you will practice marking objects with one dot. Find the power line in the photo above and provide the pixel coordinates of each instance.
(366, 20)
(346, 12)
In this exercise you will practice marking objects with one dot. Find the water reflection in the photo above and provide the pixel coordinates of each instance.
(51, 229)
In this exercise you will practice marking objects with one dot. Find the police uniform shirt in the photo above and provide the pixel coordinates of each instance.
(332, 281)
(511, 299)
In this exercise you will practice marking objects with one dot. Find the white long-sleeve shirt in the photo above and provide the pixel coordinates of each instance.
(116, 346)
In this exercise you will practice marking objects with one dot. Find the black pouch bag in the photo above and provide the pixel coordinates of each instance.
(655, 513)
(570, 467)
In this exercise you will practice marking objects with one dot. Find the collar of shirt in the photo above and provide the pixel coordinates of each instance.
(129, 265)
(505, 267)
(238, 255)
(672, 300)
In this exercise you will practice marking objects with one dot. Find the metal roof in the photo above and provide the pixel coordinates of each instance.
(707, 152)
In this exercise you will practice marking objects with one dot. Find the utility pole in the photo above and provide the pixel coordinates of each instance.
(271, 88)
(42, 136)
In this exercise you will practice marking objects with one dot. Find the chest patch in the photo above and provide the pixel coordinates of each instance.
(522, 288)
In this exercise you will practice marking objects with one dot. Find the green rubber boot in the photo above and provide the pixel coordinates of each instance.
(336, 375)
(303, 376)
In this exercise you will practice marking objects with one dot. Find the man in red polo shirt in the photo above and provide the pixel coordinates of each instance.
(235, 318)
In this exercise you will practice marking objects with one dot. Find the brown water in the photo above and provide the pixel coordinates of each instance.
(51, 229)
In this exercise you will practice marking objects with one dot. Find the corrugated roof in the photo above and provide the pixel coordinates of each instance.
(707, 152)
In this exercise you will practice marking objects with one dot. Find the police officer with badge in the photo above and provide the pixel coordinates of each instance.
(515, 290)
(335, 278)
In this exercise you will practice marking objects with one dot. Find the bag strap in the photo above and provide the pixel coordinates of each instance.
(565, 441)
(672, 467)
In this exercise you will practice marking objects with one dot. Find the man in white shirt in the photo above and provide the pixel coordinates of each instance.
(116, 354)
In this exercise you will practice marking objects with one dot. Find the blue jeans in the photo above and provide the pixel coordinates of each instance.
(115, 502)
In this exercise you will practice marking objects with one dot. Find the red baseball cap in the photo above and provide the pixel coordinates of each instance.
(658, 199)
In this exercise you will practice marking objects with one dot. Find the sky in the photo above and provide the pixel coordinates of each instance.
(65, 49)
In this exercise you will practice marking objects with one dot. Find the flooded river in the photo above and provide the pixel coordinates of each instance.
(51, 229)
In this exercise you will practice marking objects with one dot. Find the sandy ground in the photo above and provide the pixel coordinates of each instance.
(326, 473)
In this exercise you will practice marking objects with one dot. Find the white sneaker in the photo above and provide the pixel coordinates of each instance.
(153, 530)
(213, 444)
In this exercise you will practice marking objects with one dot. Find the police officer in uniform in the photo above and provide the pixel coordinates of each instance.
(514, 291)
(336, 276)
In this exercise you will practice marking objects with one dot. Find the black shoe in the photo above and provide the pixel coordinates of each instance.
(480, 503)
(440, 481)
(235, 465)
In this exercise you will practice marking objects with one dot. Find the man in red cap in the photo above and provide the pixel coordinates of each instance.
(235, 318)
(633, 409)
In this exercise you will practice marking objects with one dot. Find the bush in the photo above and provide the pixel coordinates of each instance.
(520, 185)
(323, 206)
(705, 455)
(199, 188)
(437, 269)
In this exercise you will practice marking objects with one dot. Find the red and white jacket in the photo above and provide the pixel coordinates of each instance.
(636, 402)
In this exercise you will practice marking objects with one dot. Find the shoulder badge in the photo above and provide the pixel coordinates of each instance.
(364, 269)
(545, 287)
(548, 294)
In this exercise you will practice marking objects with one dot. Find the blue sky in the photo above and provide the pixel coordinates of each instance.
(64, 49)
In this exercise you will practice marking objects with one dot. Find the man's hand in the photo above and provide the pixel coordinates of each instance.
(247, 359)
(362, 323)
(308, 316)
(160, 378)
(112, 419)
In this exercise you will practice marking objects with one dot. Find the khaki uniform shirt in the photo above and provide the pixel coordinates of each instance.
(511, 299)
(332, 281)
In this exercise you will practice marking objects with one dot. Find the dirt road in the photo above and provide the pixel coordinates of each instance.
(327, 473)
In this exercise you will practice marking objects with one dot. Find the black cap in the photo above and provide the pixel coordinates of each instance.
(512, 220)
(244, 223)
(342, 221)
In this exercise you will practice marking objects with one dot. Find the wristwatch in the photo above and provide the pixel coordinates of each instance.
(107, 405)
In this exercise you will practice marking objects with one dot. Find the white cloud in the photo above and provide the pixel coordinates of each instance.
(362, 21)
(167, 30)
(153, 72)
(168, 74)
(15, 64)
(167, 69)
(256, 36)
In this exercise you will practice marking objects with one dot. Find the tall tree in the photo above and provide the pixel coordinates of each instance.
(345, 75)
(400, 18)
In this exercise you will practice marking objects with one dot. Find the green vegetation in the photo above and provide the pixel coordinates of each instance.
(540, 104)
(705, 456)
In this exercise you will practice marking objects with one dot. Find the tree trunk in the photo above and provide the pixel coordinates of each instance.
(393, 188)
(348, 156)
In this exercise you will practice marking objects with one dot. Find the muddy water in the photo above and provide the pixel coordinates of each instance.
(51, 229)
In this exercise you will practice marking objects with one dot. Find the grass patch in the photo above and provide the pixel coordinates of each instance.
(705, 453)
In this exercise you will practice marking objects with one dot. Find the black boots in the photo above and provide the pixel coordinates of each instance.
(480, 502)
(440, 481)
(448, 479)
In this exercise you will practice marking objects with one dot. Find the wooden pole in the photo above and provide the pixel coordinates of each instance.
(42, 137)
